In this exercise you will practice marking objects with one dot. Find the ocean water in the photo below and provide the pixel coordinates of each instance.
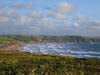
(63, 49)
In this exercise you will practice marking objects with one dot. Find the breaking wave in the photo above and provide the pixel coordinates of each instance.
(74, 50)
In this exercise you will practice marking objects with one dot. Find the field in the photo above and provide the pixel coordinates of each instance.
(30, 64)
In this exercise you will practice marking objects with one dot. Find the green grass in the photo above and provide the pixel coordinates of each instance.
(30, 64)
(64, 39)
(3, 39)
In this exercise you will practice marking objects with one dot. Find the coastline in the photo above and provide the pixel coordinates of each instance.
(15, 48)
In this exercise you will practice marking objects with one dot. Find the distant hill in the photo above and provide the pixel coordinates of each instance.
(60, 39)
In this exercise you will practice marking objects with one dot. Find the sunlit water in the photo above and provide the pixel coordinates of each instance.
(74, 50)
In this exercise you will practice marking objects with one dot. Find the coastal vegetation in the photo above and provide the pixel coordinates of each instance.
(64, 39)
(31, 64)
(14, 62)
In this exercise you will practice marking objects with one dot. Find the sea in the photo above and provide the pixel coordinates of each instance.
(64, 49)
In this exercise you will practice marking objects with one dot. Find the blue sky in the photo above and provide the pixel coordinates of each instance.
(50, 17)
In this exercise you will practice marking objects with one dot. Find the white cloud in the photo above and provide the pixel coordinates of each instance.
(22, 6)
(65, 8)
(45, 23)
(3, 19)
(22, 20)
(35, 14)
(8, 13)
(96, 27)
(77, 21)
(56, 15)
(10, 17)
(1, 12)
(61, 11)
(76, 24)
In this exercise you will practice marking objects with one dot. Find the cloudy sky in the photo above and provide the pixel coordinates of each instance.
(50, 17)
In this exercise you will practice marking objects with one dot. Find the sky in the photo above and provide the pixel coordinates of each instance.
(50, 17)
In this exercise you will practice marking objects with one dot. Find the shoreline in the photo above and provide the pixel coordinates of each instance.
(15, 48)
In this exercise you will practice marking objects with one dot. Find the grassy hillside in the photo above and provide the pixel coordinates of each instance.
(29, 64)
(65, 39)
